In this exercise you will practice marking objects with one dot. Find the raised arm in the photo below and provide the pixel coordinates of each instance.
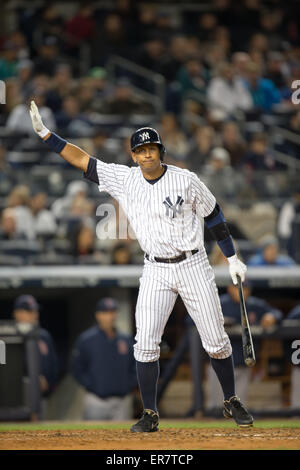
(69, 152)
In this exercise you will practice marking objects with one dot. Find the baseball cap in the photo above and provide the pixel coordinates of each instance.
(26, 302)
(97, 72)
(219, 153)
(107, 304)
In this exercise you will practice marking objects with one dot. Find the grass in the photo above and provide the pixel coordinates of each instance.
(60, 426)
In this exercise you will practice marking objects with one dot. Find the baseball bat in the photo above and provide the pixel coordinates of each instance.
(248, 349)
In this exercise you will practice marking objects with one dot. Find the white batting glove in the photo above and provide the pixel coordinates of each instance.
(37, 122)
(236, 267)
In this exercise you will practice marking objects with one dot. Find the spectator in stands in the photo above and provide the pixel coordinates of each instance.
(270, 24)
(275, 70)
(8, 60)
(173, 137)
(24, 76)
(48, 57)
(222, 39)
(44, 221)
(259, 156)
(62, 206)
(85, 94)
(269, 255)
(262, 90)
(8, 229)
(219, 176)
(207, 25)
(259, 313)
(109, 38)
(81, 206)
(212, 55)
(294, 126)
(258, 43)
(99, 83)
(294, 314)
(239, 61)
(288, 223)
(226, 92)
(19, 120)
(123, 157)
(49, 23)
(62, 84)
(121, 254)
(19, 200)
(193, 78)
(146, 21)
(125, 102)
(179, 50)
(13, 98)
(84, 244)
(202, 144)
(103, 364)
(233, 142)
(26, 315)
(100, 146)
(164, 25)
(7, 175)
(72, 120)
(153, 55)
(80, 28)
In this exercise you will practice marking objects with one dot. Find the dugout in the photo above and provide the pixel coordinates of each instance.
(68, 296)
(20, 397)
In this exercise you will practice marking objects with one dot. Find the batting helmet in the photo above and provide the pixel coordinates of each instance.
(146, 135)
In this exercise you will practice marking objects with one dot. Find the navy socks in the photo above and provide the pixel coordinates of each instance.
(147, 375)
(225, 373)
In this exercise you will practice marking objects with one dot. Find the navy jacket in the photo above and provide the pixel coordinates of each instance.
(102, 365)
(256, 309)
(48, 357)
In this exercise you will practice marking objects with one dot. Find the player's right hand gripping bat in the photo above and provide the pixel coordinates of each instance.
(248, 349)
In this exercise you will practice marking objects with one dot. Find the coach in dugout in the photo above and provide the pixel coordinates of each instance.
(26, 316)
(103, 363)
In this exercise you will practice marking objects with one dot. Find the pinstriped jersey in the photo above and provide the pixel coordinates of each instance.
(167, 216)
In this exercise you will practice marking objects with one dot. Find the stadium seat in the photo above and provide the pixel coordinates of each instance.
(10, 260)
(22, 248)
(52, 259)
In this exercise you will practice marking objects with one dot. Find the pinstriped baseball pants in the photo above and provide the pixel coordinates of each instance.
(193, 279)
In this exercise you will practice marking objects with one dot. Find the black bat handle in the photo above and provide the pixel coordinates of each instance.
(248, 349)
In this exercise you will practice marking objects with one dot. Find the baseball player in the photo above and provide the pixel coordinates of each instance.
(167, 207)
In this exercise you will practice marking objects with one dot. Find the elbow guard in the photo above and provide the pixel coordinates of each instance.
(216, 223)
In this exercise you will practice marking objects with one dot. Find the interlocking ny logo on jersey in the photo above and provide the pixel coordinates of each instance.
(173, 209)
(145, 136)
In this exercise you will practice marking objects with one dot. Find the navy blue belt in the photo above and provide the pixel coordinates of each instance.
(171, 260)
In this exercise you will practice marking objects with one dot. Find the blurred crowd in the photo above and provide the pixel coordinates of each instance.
(227, 72)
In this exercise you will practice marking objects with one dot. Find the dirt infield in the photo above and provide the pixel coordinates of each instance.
(166, 439)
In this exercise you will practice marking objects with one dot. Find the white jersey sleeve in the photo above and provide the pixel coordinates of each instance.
(202, 199)
(111, 178)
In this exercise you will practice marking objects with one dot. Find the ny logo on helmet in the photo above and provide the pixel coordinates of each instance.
(145, 136)
(173, 209)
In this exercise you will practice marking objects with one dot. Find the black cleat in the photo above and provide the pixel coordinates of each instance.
(147, 423)
(233, 408)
